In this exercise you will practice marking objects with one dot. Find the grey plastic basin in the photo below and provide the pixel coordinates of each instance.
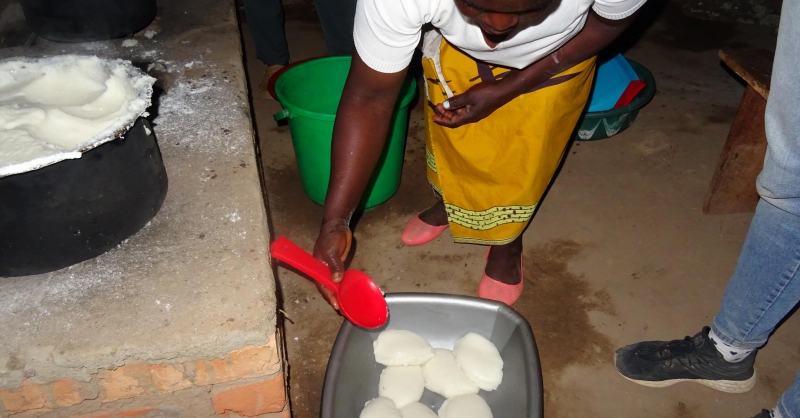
(352, 376)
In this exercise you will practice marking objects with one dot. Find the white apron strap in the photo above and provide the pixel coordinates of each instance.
(431, 48)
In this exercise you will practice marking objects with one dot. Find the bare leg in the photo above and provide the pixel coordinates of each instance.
(503, 264)
(435, 215)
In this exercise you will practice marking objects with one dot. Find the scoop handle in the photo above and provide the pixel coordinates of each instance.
(286, 251)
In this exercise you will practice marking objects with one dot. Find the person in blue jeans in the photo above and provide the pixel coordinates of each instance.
(766, 284)
(265, 18)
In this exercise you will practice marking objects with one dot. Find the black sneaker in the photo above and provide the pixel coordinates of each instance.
(764, 414)
(664, 363)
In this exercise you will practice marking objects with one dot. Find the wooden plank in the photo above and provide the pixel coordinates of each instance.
(733, 187)
(753, 65)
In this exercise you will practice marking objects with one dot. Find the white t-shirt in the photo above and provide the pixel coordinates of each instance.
(387, 31)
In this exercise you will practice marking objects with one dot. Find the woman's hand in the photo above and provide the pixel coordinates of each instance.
(480, 101)
(332, 248)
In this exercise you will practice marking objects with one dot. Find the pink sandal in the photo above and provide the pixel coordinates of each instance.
(418, 232)
(490, 288)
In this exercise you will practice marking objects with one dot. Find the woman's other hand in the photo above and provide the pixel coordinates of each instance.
(480, 101)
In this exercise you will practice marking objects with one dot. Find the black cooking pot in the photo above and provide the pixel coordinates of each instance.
(75, 210)
(87, 20)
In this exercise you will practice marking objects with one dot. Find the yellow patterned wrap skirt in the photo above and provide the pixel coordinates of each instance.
(493, 173)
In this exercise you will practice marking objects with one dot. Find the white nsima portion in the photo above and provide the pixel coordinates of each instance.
(403, 384)
(465, 406)
(53, 109)
(444, 376)
(380, 408)
(401, 348)
(417, 410)
(480, 360)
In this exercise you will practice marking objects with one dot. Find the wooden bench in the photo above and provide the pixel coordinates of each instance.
(733, 187)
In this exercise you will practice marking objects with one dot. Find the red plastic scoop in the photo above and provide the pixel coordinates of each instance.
(360, 299)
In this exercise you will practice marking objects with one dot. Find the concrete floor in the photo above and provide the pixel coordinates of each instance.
(619, 252)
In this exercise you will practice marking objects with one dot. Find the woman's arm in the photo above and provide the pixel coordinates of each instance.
(362, 123)
(483, 99)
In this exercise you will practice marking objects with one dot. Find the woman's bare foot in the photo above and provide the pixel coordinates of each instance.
(435, 215)
(268, 73)
(504, 264)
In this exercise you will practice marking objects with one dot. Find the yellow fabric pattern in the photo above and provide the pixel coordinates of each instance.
(492, 173)
(431, 161)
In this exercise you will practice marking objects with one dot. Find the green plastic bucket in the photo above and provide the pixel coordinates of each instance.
(310, 94)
